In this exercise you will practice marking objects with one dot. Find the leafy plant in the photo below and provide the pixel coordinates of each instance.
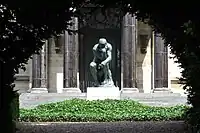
(77, 110)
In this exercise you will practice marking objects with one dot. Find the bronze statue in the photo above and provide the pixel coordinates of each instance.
(99, 67)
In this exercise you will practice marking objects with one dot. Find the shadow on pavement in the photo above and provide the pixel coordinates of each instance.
(105, 127)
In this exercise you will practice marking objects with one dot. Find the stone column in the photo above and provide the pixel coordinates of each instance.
(30, 74)
(71, 61)
(47, 62)
(76, 52)
(36, 71)
(39, 71)
(55, 64)
(128, 47)
(43, 67)
(83, 83)
(66, 60)
(160, 64)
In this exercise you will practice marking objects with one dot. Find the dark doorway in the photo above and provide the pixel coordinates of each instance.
(88, 38)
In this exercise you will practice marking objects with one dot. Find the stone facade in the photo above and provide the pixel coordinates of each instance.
(138, 65)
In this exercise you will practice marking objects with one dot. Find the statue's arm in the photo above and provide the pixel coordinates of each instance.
(94, 53)
(109, 53)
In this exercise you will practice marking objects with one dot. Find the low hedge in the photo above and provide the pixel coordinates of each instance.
(78, 110)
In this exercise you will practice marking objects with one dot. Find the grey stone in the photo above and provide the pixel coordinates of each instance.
(39, 90)
(161, 90)
(72, 90)
(105, 127)
(102, 93)
(129, 90)
(30, 100)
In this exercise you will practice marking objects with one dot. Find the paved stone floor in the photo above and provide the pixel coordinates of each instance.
(115, 127)
(29, 100)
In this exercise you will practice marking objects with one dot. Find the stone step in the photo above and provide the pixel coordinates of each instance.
(84, 94)
(31, 96)
(151, 95)
(28, 100)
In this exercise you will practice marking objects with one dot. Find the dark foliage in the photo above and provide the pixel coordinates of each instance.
(24, 26)
(23, 29)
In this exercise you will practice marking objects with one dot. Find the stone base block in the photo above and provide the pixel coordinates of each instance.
(39, 90)
(162, 90)
(180, 91)
(129, 90)
(102, 93)
(71, 90)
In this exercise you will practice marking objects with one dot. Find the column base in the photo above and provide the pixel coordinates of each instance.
(39, 90)
(129, 90)
(71, 90)
(162, 90)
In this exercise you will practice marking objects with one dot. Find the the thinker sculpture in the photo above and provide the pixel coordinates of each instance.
(99, 67)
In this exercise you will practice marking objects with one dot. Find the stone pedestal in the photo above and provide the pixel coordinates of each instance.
(39, 90)
(102, 93)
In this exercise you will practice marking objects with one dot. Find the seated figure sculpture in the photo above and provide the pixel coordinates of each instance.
(99, 67)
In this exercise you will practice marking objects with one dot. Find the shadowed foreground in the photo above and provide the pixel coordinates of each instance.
(114, 127)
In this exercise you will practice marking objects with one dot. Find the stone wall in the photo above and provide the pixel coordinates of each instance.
(55, 61)
(143, 58)
(23, 79)
(174, 72)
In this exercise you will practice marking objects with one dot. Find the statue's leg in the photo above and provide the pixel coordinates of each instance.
(110, 80)
(93, 70)
(105, 74)
(109, 73)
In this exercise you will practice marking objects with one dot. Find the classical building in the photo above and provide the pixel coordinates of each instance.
(141, 62)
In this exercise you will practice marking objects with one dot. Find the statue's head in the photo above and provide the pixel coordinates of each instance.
(102, 42)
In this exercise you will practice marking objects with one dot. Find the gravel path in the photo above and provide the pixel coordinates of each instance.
(113, 127)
